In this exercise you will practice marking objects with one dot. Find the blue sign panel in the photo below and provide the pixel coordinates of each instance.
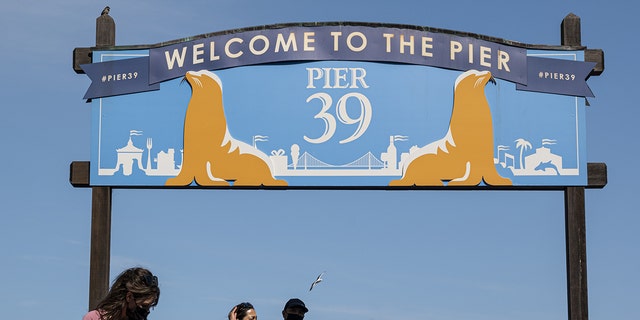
(453, 113)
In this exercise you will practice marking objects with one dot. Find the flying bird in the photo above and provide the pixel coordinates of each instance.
(318, 280)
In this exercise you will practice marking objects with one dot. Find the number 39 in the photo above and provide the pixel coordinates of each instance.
(362, 120)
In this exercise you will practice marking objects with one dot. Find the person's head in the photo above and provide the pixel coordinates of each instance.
(294, 310)
(133, 293)
(245, 311)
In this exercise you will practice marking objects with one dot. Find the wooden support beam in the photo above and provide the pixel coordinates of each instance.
(596, 175)
(100, 255)
(597, 56)
(100, 259)
(79, 174)
(576, 248)
(100, 245)
(81, 56)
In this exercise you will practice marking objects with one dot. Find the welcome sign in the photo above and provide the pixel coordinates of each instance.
(338, 105)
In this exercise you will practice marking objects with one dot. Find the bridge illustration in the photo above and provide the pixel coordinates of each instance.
(368, 161)
(308, 165)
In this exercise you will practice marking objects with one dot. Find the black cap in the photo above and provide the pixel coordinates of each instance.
(295, 303)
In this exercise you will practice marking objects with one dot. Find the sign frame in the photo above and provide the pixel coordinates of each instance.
(529, 71)
(574, 196)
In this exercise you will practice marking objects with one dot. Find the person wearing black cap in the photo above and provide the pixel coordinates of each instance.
(294, 310)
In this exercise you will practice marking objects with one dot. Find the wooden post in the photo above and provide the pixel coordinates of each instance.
(576, 243)
(100, 244)
(575, 234)
(105, 30)
(570, 31)
(101, 199)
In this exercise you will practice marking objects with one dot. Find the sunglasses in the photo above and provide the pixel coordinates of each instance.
(151, 281)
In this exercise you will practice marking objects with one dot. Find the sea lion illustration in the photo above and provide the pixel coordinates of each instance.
(211, 156)
(464, 157)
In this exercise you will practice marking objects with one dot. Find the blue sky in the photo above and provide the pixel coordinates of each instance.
(422, 254)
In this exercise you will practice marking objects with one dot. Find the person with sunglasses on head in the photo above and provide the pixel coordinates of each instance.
(131, 297)
(243, 311)
(294, 309)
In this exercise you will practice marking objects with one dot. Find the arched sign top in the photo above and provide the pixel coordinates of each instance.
(353, 24)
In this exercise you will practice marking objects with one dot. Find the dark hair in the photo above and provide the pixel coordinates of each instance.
(139, 281)
(242, 309)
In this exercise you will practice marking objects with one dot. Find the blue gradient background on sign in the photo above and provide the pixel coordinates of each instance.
(270, 100)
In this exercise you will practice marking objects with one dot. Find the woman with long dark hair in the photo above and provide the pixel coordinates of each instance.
(133, 294)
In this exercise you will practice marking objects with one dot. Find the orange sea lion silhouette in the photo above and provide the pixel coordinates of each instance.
(211, 156)
(464, 157)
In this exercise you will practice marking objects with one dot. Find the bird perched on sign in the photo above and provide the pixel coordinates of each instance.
(105, 10)
(318, 280)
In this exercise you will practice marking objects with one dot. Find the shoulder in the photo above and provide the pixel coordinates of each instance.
(92, 315)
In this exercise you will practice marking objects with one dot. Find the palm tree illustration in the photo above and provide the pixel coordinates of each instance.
(522, 144)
